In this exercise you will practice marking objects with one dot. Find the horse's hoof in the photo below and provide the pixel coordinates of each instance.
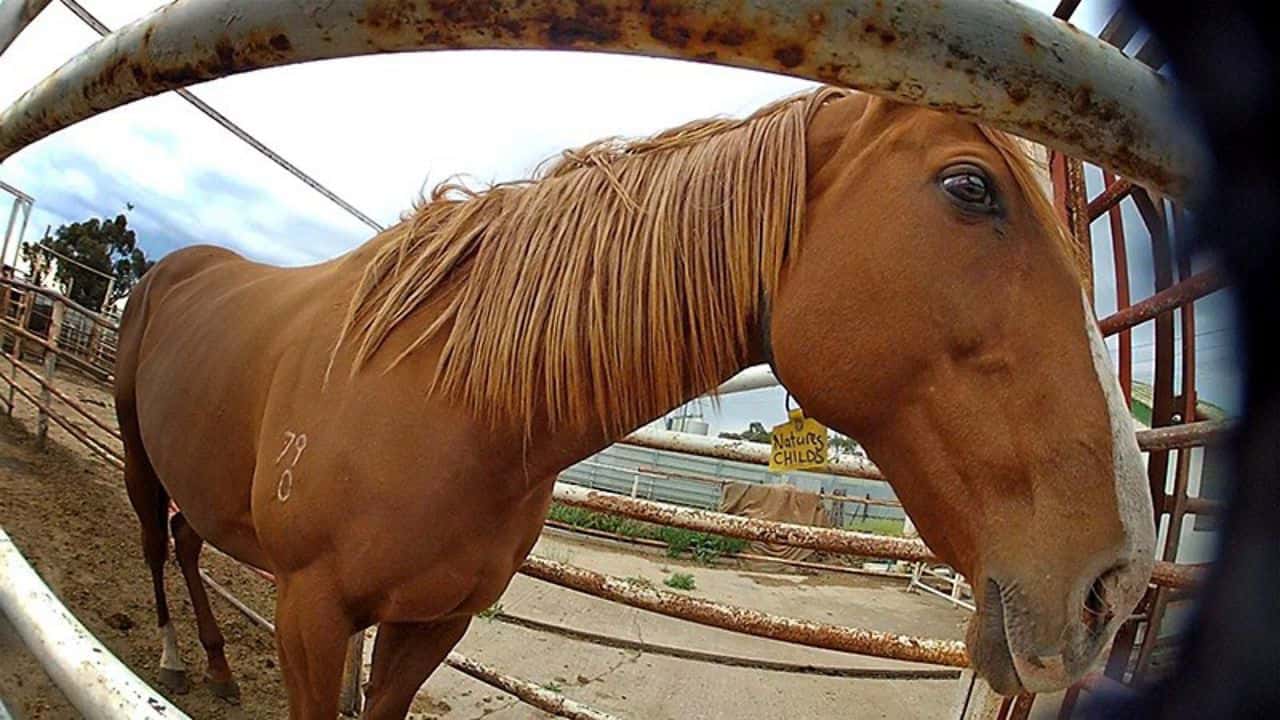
(175, 681)
(228, 690)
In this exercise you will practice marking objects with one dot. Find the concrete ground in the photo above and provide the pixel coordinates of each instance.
(636, 685)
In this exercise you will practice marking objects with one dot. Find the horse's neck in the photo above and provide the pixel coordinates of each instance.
(542, 448)
(551, 450)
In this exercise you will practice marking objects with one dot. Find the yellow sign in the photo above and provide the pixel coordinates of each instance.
(798, 444)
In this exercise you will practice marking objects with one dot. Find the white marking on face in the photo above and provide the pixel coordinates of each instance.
(170, 656)
(1133, 493)
(1133, 504)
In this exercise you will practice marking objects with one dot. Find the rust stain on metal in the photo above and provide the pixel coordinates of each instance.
(1205, 432)
(728, 35)
(1173, 575)
(1193, 288)
(886, 35)
(1082, 99)
(665, 25)
(747, 621)
(815, 538)
(591, 23)
(789, 56)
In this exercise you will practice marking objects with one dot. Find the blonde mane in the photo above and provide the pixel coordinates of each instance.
(624, 279)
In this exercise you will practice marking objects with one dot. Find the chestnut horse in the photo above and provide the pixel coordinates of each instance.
(382, 431)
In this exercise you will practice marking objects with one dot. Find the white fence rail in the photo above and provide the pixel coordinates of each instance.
(92, 679)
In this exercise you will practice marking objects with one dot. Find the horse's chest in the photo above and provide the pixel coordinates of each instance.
(465, 564)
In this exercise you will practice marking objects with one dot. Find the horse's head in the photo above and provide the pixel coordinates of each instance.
(933, 310)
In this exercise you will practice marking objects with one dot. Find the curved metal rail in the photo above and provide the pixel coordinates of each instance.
(91, 678)
(998, 61)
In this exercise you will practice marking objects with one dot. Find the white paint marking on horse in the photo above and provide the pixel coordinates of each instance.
(297, 442)
(284, 488)
(170, 655)
(288, 441)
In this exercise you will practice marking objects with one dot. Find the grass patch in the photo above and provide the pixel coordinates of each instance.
(638, 581)
(680, 581)
(702, 547)
(490, 612)
(878, 526)
(552, 686)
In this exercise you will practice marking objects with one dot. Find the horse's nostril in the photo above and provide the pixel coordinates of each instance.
(1097, 611)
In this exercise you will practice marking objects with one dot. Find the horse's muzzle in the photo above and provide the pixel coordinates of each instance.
(1019, 642)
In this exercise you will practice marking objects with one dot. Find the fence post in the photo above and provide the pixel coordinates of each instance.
(4, 329)
(975, 700)
(351, 700)
(95, 340)
(24, 318)
(50, 365)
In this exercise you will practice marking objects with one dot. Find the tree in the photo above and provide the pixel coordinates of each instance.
(846, 444)
(755, 432)
(108, 246)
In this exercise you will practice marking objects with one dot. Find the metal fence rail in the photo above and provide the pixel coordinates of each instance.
(91, 678)
(804, 536)
(751, 622)
(996, 61)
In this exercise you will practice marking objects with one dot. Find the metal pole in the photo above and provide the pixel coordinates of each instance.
(351, 701)
(92, 679)
(998, 62)
(106, 299)
(8, 230)
(22, 231)
(50, 366)
(15, 15)
(24, 317)
(748, 621)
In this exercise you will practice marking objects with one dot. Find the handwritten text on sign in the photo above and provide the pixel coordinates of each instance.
(798, 444)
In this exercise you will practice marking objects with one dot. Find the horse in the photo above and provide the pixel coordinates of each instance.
(382, 431)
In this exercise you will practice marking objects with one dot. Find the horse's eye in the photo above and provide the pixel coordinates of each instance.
(968, 186)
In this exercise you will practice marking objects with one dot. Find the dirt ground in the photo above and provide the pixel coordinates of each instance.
(69, 515)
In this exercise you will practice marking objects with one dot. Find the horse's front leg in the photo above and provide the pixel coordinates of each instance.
(311, 636)
(404, 656)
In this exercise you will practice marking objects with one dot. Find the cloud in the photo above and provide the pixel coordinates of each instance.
(212, 208)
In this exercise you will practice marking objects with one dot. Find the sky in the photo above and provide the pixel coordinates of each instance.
(379, 130)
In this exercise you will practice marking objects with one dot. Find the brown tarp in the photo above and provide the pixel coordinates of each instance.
(775, 502)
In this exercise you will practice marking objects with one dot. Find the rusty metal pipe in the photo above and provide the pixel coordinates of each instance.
(1115, 191)
(1193, 288)
(805, 536)
(737, 450)
(998, 61)
(747, 621)
(770, 531)
(529, 693)
(1197, 433)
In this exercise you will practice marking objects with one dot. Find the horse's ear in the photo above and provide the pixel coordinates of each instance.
(830, 126)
